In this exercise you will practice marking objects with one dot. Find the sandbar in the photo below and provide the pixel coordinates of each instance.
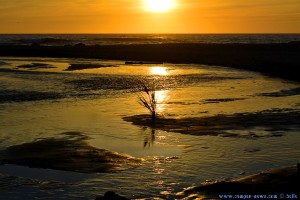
(69, 152)
(274, 123)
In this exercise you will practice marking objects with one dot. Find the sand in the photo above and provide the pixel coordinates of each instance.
(280, 60)
(282, 183)
(69, 151)
(271, 184)
(273, 122)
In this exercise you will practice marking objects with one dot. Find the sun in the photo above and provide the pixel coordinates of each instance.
(159, 5)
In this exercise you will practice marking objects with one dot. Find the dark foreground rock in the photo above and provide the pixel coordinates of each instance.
(86, 66)
(69, 152)
(111, 196)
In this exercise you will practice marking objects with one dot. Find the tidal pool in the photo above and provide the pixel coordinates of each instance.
(46, 100)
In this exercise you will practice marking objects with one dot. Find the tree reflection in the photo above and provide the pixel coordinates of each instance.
(149, 136)
(153, 100)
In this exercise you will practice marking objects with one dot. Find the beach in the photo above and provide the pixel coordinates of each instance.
(73, 128)
(149, 99)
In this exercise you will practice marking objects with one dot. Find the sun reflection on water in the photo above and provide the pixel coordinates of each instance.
(158, 70)
(161, 97)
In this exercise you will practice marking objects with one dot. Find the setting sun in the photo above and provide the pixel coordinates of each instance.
(159, 5)
(149, 16)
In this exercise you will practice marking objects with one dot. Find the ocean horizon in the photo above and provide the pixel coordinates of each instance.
(127, 39)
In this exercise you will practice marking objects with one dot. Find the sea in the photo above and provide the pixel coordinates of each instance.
(43, 98)
(129, 39)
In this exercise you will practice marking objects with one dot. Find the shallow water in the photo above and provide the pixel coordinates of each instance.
(45, 102)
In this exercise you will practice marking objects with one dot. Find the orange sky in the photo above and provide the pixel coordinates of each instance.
(131, 16)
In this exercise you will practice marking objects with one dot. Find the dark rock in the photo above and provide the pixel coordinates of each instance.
(294, 42)
(142, 63)
(79, 45)
(35, 44)
(86, 66)
(110, 195)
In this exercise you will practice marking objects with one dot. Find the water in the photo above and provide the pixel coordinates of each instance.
(46, 100)
(127, 39)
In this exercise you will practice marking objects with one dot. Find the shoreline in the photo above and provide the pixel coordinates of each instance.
(272, 183)
(276, 60)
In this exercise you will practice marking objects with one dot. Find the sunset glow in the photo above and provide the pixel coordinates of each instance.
(159, 5)
(149, 16)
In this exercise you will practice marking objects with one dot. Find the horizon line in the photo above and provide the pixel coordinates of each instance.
(231, 33)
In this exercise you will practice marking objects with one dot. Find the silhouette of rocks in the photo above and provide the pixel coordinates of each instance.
(79, 45)
(86, 66)
(142, 63)
(110, 195)
(35, 44)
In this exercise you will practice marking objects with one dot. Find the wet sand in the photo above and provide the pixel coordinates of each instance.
(69, 152)
(280, 183)
(280, 60)
(273, 122)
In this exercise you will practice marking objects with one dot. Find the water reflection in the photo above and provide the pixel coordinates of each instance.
(158, 70)
(161, 97)
(149, 137)
(150, 133)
